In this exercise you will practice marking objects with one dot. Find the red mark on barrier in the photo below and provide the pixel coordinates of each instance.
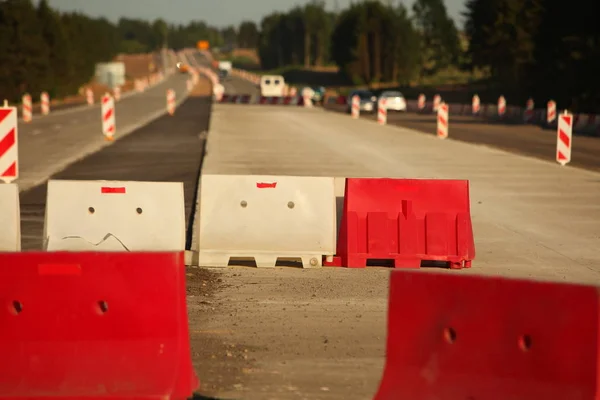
(262, 185)
(109, 190)
(59, 269)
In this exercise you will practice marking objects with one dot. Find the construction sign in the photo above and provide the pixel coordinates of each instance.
(203, 45)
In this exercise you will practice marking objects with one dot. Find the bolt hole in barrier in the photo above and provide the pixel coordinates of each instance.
(471, 337)
(92, 210)
(17, 307)
(406, 223)
(103, 306)
(94, 325)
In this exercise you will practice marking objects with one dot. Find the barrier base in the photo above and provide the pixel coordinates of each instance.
(398, 262)
(264, 260)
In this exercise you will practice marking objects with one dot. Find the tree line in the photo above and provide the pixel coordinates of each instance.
(530, 48)
(42, 49)
(370, 41)
(539, 48)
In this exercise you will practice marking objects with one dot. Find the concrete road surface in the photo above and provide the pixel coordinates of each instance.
(288, 333)
(529, 140)
(49, 144)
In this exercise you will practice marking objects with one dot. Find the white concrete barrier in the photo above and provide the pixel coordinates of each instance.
(266, 218)
(114, 216)
(10, 218)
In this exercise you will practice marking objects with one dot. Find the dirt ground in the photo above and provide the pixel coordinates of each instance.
(250, 54)
(328, 346)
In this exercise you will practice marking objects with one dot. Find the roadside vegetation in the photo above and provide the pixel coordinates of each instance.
(516, 48)
(42, 49)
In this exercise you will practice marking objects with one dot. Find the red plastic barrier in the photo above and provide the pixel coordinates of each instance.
(468, 337)
(94, 325)
(407, 221)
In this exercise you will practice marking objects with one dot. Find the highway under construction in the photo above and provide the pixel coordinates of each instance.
(260, 202)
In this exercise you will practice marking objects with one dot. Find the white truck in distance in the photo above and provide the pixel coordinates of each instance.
(224, 68)
(272, 85)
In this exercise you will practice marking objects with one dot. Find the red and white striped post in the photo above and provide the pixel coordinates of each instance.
(551, 112)
(421, 102)
(218, 91)
(355, 110)
(381, 112)
(501, 106)
(307, 100)
(117, 93)
(564, 140)
(45, 103)
(27, 108)
(171, 101)
(9, 153)
(437, 100)
(89, 96)
(475, 105)
(529, 111)
(442, 120)
(108, 117)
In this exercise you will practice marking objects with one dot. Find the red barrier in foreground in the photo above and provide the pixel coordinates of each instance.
(94, 325)
(407, 221)
(467, 337)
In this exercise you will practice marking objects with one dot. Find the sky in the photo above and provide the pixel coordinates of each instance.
(215, 12)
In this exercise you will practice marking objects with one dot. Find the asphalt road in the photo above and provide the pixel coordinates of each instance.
(231, 84)
(528, 140)
(168, 149)
(234, 85)
(49, 144)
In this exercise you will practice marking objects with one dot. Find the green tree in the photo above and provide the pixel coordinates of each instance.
(24, 57)
(502, 37)
(160, 31)
(440, 46)
(373, 42)
(247, 35)
(60, 54)
(229, 35)
(317, 26)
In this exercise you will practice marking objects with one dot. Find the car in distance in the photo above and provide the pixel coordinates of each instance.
(183, 68)
(394, 100)
(367, 100)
